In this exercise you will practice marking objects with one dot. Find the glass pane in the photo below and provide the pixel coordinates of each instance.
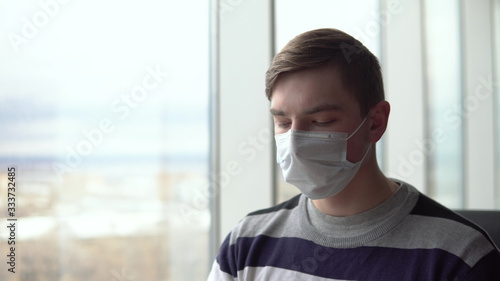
(443, 145)
(496, 67)
(359, 18)
(103, 114)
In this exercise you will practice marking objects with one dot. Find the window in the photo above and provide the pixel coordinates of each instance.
(104, 109)
(496, 68)
(443, 93)
(439, 61)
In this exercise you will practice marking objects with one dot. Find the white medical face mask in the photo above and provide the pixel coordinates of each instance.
(315, 162)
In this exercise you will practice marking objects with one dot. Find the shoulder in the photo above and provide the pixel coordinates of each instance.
(256, 233)
(431, 213)
(271, 221)
(286, 205)
(463, 238)
(427, 208)
(437, 228)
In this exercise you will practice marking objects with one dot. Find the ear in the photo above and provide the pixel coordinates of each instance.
(379, 116)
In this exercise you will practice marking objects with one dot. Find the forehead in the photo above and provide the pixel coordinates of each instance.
(298, 91)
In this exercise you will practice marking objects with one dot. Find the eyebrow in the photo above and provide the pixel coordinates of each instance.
(316, 109)
(324, 107)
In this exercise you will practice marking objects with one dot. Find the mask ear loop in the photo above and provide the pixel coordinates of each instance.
(369, 144)
(360, 125)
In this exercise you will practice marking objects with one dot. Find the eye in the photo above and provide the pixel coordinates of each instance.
(282, 122)
(324, 123)
(283, 125)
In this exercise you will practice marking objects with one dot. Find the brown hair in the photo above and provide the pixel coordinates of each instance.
(323, 48)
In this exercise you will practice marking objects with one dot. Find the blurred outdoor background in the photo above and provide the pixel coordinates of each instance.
(140, 131)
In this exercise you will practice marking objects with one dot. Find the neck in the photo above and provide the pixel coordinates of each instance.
(366, 190)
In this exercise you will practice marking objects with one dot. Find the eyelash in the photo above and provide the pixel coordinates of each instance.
(317, 123)
(327, 123)
(283, 125)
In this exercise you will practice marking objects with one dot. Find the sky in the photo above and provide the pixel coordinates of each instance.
(67, 66)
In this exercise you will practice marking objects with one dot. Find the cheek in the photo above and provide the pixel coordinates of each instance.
(354, 153)
(356, 147)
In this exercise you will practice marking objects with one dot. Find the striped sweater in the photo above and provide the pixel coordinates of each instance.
(408, 237)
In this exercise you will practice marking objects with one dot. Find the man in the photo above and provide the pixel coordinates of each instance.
(350, 222)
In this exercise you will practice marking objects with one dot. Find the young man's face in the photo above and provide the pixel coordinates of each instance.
(316, 100)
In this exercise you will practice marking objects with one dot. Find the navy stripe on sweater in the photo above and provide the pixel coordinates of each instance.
(362, 263)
